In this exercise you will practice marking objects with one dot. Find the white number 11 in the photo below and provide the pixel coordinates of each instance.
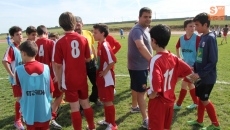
(168, 77)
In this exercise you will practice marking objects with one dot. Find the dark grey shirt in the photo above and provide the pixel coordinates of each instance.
(135, 60)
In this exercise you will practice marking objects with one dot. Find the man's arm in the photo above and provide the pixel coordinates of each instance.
(143, 49)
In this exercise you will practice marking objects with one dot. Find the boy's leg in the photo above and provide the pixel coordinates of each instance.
(17, 94)
(168, 116)
(192, 92)
(72, 98)
(182, 94)
(156, 112)
(208, 105)
(88, 111)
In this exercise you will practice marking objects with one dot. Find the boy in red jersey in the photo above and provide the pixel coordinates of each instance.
(114, 44)
(31, 33)
(12, 59)
(45, 52)
(71, 53)
(33, 79)
(105, 77)
(165, 68)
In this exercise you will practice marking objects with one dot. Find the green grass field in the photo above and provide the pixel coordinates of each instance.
(126, 121)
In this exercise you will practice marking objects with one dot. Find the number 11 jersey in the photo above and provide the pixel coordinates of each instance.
(165, 69)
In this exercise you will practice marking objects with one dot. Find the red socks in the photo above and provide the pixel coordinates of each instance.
(17, 111)
(182, 95)
(212, 113)
(193, 95)
(110, 114)
(200, 112)
(76, 120)
(89, 117)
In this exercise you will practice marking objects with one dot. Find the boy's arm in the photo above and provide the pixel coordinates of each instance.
(117, 45)
(177, 49)
(104, 72)
(58, 72)
(17, 84)
(7, 67)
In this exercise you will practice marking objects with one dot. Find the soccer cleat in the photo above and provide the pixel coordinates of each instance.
(18, 125)
(135, 109)
(102, 122)
(111, 127)
(176, 107)
(194, 122)
(145, 124)
(55, 125)
(192, 106)
(211, 127)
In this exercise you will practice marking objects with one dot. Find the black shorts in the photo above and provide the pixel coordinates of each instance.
(203, 91)
(138, 80)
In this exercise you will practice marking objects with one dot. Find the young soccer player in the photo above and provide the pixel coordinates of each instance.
(114, 44)
(31, 33)
(71, 53)
(165, 69)
(122, 33)
(45, 52)
(186, 49)
(33, 79)
(205, 70)
(105, 75)
(12, 59)
(225, 33)
(54, 37)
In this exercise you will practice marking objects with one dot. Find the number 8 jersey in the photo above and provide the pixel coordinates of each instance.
(165, 69)
(71, 51)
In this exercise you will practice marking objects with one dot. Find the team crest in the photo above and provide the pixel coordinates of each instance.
(203, 44)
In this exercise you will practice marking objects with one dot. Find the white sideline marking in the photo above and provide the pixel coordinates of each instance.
(123, 75)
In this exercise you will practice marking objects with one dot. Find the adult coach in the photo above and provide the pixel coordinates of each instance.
(139, 55)
(91, 67)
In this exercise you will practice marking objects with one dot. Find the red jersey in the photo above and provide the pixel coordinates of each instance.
(71, 51)
(165, 68)
(45, 49)
(105, 57)
(185, 38)
(9, 57)
(114, 44)
(34, 67)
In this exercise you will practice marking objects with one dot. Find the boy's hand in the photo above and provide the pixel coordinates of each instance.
(60, 88)
(54, 79)
(103, 73)
(152, 95)
(194, 76)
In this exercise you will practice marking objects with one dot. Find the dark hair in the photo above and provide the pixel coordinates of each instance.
(53, 35)
(29, 47)
(226, 25)
(202, 18)
(30, 30)
(144, 9)
(14, 29)
(67, 21)
(161, 34)
(103, 28)
(41, 30)
(187, 21)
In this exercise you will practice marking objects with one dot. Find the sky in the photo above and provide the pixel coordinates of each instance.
(24, 13)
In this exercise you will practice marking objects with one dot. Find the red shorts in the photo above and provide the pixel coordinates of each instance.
(56, 92)
(225, 34)
(160, 114)
(38, 126)
(106, 94)
(72, 96)
(17, 91)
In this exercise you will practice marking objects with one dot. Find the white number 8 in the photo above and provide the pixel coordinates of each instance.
(75, 50)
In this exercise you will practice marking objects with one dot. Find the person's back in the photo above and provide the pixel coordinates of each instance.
(170, 66)
(74, 50)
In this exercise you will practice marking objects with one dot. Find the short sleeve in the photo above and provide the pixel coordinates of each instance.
(178, 44)
(137, 34)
